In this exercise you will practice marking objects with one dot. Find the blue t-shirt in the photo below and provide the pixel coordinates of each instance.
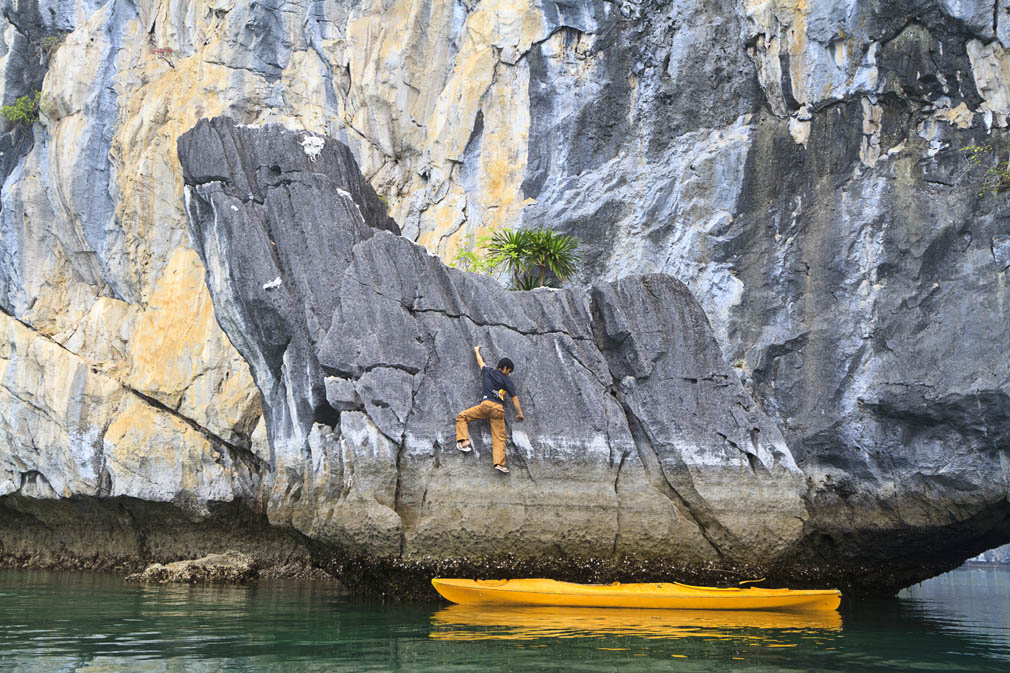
(495, 385)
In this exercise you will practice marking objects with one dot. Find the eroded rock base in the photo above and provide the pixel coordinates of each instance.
(231, 567)
(126, 535)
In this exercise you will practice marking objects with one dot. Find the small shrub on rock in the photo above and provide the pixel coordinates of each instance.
(530, 257)
(997, 175)
(50, 43)
(23, 111)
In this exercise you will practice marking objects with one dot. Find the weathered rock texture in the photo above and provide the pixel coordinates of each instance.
(795, 164)
(231, 567)
(640, 443)
(816, 201)
(125, 534)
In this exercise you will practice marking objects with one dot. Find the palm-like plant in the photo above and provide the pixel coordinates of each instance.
(527, 255)
(508, 250)
(553, 252)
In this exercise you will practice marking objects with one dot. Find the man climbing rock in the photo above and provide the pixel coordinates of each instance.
(495, 384)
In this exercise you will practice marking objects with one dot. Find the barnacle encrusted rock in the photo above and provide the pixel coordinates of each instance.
(231, 567)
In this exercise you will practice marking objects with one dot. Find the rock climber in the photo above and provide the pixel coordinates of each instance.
(495, 385)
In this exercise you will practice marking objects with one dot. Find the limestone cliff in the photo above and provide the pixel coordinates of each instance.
(796, 164)
(641, 443)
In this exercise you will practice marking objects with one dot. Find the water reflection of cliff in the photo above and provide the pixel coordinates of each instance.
(481, 622)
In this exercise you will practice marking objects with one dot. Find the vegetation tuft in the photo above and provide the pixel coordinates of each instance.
(472, 255)
(997, 176)
(24, 111)
(50, 43)
(530, 257)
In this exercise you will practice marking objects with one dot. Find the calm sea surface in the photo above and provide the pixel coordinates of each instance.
(97, 623)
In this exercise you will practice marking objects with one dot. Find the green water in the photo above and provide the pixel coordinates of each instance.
(96, 623)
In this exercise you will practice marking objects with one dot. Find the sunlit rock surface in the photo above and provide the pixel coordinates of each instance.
(796, 165)
(641, 441)
(231, 567)
(322, 295)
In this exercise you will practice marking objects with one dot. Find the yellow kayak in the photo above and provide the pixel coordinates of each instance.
(668, 595)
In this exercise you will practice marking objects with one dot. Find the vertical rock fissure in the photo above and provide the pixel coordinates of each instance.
(401, 449)
(143, 548)
(396, 497)
(707, 525)
(657, 476)
(519, 458)
(617, 513)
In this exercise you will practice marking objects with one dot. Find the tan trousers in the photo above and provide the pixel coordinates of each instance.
(495, 413)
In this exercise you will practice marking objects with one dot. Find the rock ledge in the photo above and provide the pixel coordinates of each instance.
(231, 567)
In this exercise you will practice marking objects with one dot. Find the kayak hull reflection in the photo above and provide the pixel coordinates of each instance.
(528, 622)
(665, 595)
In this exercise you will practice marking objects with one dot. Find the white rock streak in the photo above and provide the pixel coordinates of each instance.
(312, 145)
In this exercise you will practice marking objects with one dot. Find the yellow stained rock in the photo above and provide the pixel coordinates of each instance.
(143, 442)
(408, 90)
(418, 102)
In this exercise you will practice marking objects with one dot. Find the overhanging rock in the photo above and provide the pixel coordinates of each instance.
(640, 442)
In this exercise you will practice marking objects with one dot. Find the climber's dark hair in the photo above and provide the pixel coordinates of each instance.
(505, 362)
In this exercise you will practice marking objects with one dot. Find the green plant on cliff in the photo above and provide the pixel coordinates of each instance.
(24, 110)
(48, 108)
(50, 43)
(531, 256)
(997, 175)
(472, 255)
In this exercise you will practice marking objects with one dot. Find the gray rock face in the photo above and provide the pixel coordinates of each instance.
(796, 165)
(639, 442)
(810, 190)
